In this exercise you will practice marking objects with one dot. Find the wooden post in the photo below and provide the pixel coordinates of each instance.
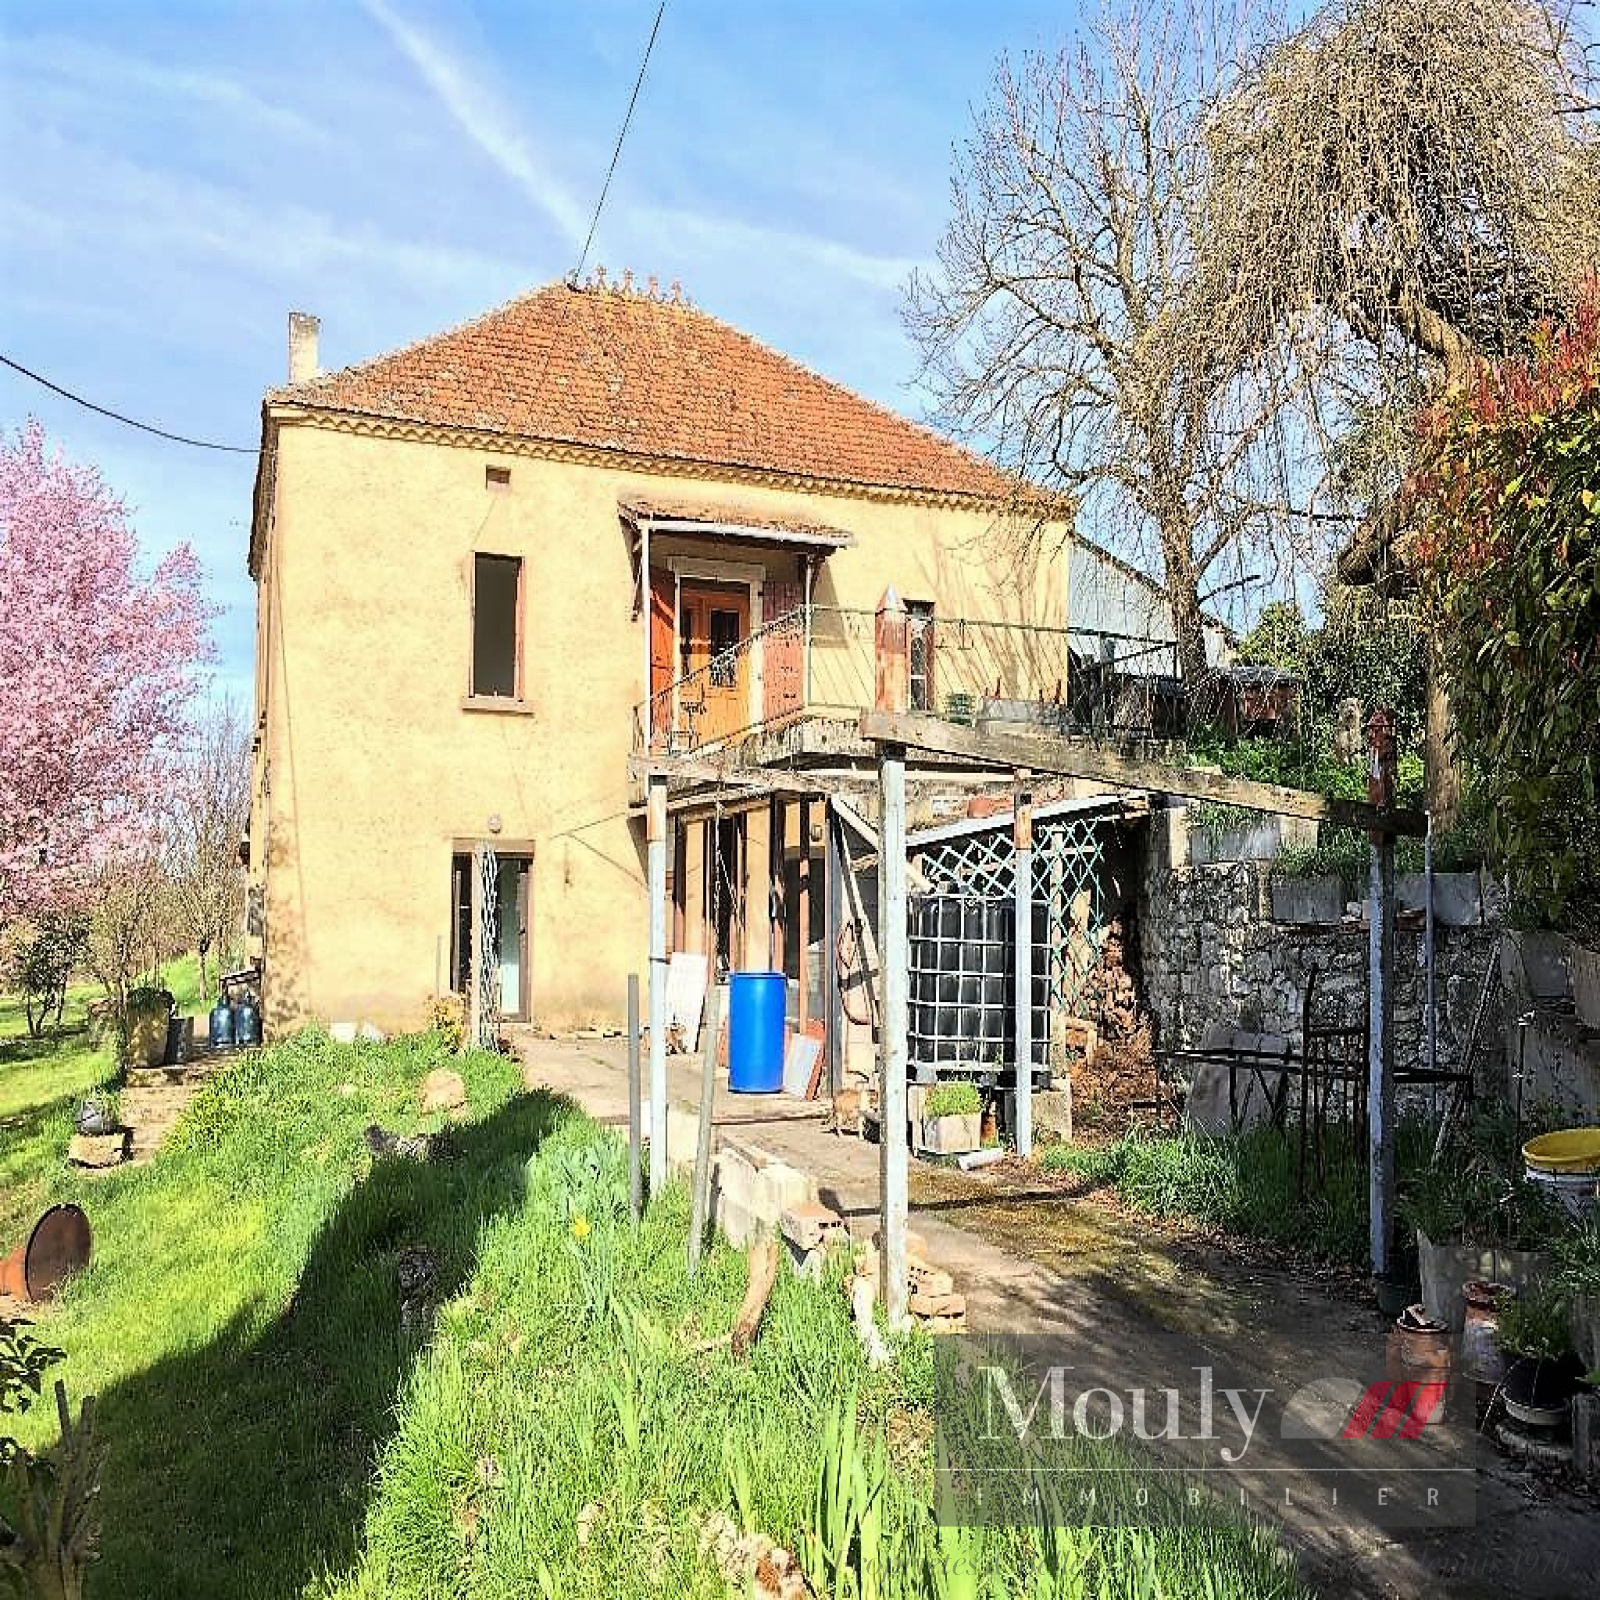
(833, 990)
(1380, 994)
(803, 917)
(891, 655)
(1022, 858)
(656, 837)
(635, 1097)
(777, 911)
(701, 1198)
(894, 963)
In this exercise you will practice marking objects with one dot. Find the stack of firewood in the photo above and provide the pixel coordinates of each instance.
(1110, 998)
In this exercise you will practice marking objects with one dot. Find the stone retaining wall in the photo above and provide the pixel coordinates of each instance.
(1210, 952)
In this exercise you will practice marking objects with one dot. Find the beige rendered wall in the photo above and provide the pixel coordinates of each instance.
(371, 768)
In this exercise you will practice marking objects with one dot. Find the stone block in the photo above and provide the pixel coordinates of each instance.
(442, 1090)
(98, 1150)
(1307, 900)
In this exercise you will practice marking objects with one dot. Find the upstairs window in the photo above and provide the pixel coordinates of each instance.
(497, 627)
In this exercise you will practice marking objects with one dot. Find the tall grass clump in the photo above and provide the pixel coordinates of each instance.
(1247, 1183)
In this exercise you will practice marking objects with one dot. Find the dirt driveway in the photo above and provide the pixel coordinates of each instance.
(1039, 1257)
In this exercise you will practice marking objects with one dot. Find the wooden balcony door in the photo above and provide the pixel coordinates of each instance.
(713, 660)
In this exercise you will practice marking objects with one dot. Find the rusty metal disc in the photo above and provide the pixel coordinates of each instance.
(58, 1246)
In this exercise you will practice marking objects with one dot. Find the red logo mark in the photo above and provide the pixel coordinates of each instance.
(1393, 1411)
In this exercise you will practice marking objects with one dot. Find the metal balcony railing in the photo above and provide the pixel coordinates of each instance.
(817, 661)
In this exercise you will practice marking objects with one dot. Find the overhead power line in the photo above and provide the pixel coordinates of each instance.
(622, 133)
(130, 422)
(250, 450)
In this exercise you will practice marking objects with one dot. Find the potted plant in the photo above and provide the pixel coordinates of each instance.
(1542, 1370)
(952, 1119)
(1577, 1263)
(1475, 1221)
(146, 1008)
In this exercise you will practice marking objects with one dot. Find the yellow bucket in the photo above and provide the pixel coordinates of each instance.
(1566, 1150)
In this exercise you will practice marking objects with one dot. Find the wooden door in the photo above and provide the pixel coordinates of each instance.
(662, 586)
(714, 661)
(783, 654)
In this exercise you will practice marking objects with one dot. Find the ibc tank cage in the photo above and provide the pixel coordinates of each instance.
(962, 1020)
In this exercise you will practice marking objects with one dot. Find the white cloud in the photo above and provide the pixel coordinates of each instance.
(480, 115)
(780, 251)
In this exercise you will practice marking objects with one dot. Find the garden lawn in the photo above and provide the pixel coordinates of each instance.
(41, 1082)
(566, 1424)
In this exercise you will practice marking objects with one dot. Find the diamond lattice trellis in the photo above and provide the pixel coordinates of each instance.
(1068, 854)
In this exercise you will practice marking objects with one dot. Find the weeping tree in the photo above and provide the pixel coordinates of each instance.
(1072, 328)
(1411, 187)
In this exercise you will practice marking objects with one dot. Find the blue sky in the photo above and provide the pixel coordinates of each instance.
(174, 179)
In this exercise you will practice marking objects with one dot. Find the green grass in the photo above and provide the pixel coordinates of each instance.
(1246, 1184)
(41, 1083)
(275, 1430)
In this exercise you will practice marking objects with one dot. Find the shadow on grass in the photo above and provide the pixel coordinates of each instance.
(243, 1467)
(21, 1048)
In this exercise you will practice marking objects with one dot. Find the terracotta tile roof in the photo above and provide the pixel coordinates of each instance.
(675, 508)
(648, 376)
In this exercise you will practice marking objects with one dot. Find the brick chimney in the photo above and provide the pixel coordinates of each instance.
(303, 331)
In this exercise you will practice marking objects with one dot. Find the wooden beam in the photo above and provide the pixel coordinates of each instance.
(1092, 758)
(758, 780)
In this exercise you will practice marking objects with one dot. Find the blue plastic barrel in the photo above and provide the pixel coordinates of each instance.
(221, 1025)
(756, 1003)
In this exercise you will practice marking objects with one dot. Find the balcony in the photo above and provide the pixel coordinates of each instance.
(817, 663)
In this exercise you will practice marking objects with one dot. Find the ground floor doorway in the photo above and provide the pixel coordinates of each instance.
(506, 898)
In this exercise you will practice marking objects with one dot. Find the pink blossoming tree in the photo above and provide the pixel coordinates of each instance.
(97, 668)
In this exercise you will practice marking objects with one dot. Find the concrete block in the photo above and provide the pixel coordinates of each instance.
(1307, 900)
(1207, 1108)
(342, 1032)
(1457, 902)
(778, 1188)
(811, 1225)
(683, 1136)
(733, 1176)
(950, 1136)
(736, 1222)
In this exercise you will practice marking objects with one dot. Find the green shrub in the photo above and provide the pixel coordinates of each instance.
(1536, 1325)
(37, 960)
(1246, 1184)
(956, 1099)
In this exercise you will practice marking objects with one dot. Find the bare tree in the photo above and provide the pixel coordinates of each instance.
(128, 893)
(1064, 328)
(209, 812)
